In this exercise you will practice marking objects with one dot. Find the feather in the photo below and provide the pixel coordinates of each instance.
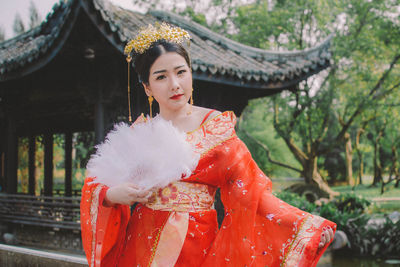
(150, 155)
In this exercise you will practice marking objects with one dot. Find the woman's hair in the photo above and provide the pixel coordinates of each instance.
(143, 62)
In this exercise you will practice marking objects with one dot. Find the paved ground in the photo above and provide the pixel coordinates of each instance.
(11, 256)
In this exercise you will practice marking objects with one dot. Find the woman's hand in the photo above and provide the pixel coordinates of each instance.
(125, 194)
(326, 236)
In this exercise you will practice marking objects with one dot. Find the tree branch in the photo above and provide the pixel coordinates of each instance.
(263, 146)
(362, 104)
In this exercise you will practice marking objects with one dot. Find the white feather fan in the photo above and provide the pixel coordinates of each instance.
(150, 154)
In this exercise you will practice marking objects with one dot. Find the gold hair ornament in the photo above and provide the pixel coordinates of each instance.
(147, 36)
(128, 60)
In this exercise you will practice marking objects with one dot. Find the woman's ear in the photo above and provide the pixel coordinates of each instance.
(147, 89)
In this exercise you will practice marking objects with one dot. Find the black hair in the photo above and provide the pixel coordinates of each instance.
(143, 62)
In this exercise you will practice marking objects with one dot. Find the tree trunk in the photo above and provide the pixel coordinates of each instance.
(312, 176)
(310, 168)
(393, 170)
(361, 167)
(349, 159)
(360, 131)
(377, 165)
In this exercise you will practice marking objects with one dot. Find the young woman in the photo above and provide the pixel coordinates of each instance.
(176, 225)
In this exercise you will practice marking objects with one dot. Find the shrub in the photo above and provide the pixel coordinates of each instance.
(367, 235)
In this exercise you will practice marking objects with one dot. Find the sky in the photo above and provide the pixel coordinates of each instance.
(9, 8)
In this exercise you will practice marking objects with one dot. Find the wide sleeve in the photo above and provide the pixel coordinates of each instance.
(103, 228)
(258, 228)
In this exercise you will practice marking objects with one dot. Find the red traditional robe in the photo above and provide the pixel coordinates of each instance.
(178, 227)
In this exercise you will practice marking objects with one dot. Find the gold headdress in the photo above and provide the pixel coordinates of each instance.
(151, 34)
(146, 37)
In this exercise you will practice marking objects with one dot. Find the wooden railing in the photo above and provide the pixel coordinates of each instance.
(55, 212)
(61, 192)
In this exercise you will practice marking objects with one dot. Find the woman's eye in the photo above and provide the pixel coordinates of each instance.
(160, 77)
(181, 71)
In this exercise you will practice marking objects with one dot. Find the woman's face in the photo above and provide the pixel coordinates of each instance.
(170, 82)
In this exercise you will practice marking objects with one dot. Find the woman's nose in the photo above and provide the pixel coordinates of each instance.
(174, 83)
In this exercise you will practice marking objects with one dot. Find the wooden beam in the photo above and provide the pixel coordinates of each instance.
(31, 164)
(48, 164)
(68, 164)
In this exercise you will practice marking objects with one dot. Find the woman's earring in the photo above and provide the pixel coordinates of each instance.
(150, 103)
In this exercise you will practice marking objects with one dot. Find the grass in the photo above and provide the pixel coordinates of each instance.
(365, 191)
(369, 192)
(385, 207)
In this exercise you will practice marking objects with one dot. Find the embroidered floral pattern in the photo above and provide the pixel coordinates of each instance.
(168, 193)
(182, 196)
(93, 215)
(213, 132)
(302, 237)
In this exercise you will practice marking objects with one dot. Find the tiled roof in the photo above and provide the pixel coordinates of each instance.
(211, 53)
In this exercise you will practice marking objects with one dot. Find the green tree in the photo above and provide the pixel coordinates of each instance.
(2, 34)
(214, 14)
(18, 25)
(327, 111)
(318, 115)
(34, 16)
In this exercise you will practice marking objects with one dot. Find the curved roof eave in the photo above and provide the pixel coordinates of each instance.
(235, 46)
(229, 61)
(49, 36)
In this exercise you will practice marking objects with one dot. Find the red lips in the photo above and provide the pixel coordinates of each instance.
(177, 96)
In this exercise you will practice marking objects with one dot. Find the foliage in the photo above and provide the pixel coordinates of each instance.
(259, 123)
(351, 203)
(82, 148)
(18, 25)
(34, 16)
(368, 235)
(297, 201)
(214, 14)
(314, 118)
(2, 34)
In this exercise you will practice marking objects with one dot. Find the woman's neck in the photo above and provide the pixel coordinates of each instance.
(175, 115)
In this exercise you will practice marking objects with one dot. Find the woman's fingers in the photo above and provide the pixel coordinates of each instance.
(323, 240)
(331, 235)
(138, 195)
(326, 236)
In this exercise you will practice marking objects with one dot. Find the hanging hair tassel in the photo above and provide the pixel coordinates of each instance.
(128, 60)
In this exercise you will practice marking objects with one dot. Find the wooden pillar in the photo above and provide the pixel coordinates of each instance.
(48, 164)
(99, 118)
(3, 146)
(2, 171)
(11, 157)
(68, 164)
(31, 164)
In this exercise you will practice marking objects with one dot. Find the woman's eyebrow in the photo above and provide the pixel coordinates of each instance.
(179, 66)
(160, 71)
